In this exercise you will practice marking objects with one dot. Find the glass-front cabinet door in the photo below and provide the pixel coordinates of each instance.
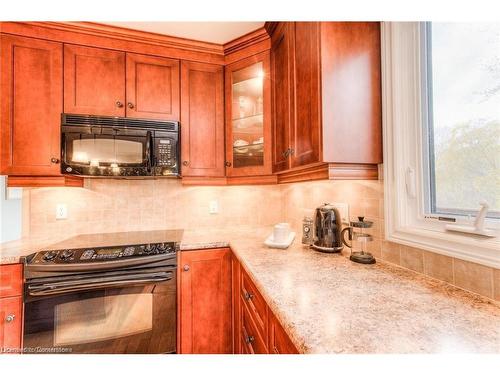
(248, 127)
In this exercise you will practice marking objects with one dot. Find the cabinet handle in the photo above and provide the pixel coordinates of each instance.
(185, 163)
(54, 160)
(10, 318)
(119, 104)
(249, 339)
(228, 163)
(248, 296)
(130, 105)
(288, 152)
(186, 267)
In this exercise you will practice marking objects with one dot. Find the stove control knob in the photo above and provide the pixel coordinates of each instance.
(148, 249)
(66, 254)
(49, 256)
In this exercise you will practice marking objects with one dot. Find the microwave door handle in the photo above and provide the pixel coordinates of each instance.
(149, 150)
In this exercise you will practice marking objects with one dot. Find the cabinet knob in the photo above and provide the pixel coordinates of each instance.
(249, 339)
(287, 153)
(130, 105)
(228, 164)
(10, 318)
(185, 163)
(186, 267)
(248, 296)
(119, 104)
(54, 160)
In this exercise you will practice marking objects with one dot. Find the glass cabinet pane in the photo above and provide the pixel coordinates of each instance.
(248, 116)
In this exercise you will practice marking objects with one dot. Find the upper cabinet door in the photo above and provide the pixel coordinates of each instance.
(31, 106)
(202, 119)
(282, 89)
(248, 117)
(94, 81)
(152, 87)
(351, 92)
(305, 137)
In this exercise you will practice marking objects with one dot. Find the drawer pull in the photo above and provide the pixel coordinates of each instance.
(10, 318)
(249, 339)
(248, 296)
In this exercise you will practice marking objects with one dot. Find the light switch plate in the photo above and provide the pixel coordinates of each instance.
(344, 211)
(213, 207)
(61, 211)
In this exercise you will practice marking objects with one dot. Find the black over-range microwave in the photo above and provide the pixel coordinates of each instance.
(98, 146)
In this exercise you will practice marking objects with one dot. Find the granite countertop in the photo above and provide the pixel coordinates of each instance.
(328, 304)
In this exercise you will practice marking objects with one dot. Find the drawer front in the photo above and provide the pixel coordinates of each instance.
(251, 341)
(279, 342)
(11, 280)
(255, 303)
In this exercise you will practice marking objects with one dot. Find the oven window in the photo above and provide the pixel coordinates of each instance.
(102, 318)
(105, 151)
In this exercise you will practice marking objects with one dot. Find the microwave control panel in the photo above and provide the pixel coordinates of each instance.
(165, 152)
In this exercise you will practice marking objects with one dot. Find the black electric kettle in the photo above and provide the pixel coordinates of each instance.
(328, 226)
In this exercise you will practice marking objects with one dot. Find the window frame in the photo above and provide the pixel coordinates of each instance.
(406, 161)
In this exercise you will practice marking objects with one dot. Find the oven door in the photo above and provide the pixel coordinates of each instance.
(113, 312)
(106, 151)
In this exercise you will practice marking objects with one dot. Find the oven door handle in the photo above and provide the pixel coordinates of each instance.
(96, 283)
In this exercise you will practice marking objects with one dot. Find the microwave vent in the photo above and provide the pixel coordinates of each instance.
(89, 120)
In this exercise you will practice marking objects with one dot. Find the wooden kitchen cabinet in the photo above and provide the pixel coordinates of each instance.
(11, 280)
(94, 81)
(282, 92)
(202, 119)
(279, 342)
(326, 100)
(305, 129)
(205, 301)
(31, 106)
(114, 83)
(152, 87)
(248, 117)
(255, 328)
(10, 323)
(11, 307)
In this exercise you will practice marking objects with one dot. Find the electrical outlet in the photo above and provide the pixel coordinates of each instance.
(61, 211)
(213, 207)
(343, 210)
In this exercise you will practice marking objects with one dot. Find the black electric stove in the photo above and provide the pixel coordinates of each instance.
(102, 299)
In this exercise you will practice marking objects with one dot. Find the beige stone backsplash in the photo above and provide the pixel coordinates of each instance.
(130, 205)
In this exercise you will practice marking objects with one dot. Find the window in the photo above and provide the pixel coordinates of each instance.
(462, 99)
(441, 129)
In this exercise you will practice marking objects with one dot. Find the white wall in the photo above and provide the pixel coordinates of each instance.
(10, 213)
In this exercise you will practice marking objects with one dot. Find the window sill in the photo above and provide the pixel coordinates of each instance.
(485, 251)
